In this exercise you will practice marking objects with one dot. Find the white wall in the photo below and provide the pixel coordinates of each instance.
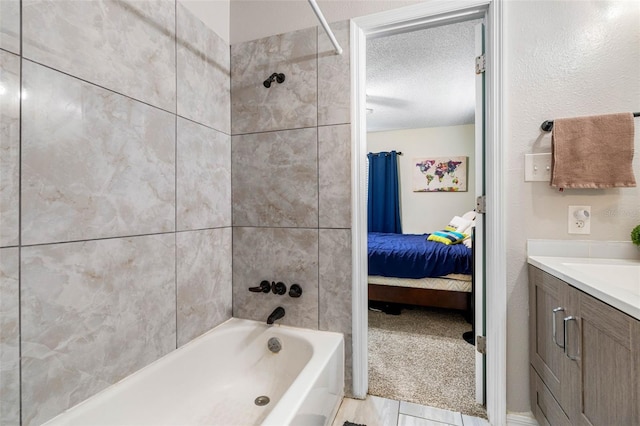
(563, 59)
(214, 13)
(253, 19)
(424, 212)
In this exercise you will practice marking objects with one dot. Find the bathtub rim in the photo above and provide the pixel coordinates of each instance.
(307, 371)
(309, 374)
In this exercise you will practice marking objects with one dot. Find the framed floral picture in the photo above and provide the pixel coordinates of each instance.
(440, 174)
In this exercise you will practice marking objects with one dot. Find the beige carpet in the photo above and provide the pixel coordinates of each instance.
(420, 356)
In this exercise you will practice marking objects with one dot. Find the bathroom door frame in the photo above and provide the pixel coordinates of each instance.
(402, 20)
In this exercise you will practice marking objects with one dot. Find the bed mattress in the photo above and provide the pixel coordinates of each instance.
(452, 282)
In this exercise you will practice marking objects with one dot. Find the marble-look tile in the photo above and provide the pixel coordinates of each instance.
(431, 413)
(203, 281)
(9, 147)
(404, 420)
(125, 45)
(10, 25)
(334, 76)
(9, 338)
(334, 175)
(95, 164)
(203, 177)
(289, 105)
(204, 79)
(275, 179)
(335, 289)
(373, 411)
(276, 254)
(335, 279)
(92, 313)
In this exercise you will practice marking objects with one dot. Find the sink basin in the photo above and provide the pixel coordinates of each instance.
(623, 276)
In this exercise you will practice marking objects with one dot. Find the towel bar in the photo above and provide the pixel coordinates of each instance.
(547, 126)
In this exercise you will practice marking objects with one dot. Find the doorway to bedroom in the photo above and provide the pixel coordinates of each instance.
(422, 130)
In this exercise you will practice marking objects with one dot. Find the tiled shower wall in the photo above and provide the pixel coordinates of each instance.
(291, 179)
(115, 226)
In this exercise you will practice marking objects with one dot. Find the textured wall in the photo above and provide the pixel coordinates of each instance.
(254, 19)
(291, 182)
(563, 59)
(429, 211)
(115, 231)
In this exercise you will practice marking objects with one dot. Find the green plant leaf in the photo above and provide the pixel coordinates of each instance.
(635, 235)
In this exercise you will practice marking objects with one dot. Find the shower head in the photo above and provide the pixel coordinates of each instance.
(275, 76)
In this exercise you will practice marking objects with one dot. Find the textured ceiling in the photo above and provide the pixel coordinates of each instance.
(421, 79)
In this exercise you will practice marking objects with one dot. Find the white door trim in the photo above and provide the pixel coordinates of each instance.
(480, 140)
(496, 303)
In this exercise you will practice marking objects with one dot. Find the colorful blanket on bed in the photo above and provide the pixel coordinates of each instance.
(412, 256)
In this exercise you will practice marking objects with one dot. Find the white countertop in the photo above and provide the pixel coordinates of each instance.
(614, 281)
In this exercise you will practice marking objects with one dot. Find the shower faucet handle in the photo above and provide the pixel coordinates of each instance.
(278, 288)
(264, 287)
(295, 290)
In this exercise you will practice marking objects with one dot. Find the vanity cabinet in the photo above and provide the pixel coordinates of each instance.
(584, 355)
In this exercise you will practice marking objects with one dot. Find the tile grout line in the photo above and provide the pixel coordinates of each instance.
(115, 237)
(318, 168)
(94, 84)
(276, 130)
(231, 173)
(175, 170)
(195, 121)
(86, 240)
(9, 51)
(20, 404)
(84, 80)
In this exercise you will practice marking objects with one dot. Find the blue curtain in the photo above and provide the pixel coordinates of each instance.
(383, 207)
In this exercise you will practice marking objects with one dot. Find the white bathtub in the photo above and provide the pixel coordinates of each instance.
(215, 379)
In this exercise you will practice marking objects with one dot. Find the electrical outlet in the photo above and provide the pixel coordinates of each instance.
(579, 220)
(537, 167)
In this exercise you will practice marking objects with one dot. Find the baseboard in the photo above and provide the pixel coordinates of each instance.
(521, 419)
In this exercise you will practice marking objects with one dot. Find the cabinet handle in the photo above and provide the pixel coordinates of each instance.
(553, 317)
(566, 331)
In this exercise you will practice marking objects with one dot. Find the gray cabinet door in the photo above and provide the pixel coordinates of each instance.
(547, 299)
(605, 371)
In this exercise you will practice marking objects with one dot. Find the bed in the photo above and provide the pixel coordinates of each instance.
(409, 269)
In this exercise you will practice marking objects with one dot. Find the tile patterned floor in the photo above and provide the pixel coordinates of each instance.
(376, 411)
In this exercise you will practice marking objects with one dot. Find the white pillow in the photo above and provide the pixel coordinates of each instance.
(459, 224)
(467, 242)
(470, 215)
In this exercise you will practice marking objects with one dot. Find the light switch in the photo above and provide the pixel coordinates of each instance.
(537, 167)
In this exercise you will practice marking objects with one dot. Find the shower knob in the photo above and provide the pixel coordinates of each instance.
(278, 288)
(295, 290)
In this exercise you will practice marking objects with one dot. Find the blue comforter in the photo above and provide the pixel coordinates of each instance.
(412, 256)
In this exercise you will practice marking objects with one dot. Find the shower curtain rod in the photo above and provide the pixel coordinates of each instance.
(326, 27)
